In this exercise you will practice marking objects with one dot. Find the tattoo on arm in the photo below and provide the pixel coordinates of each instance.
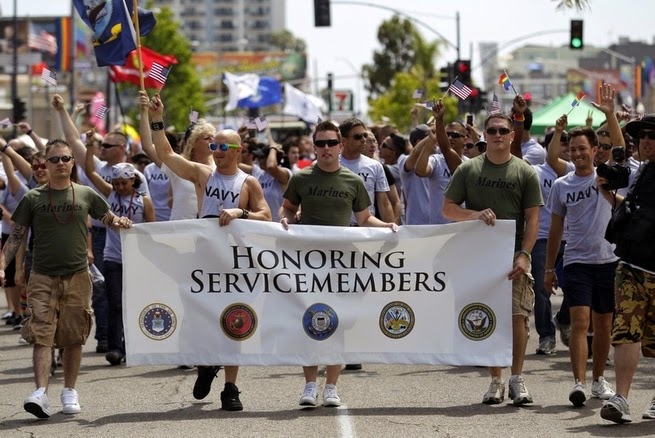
(13, 243)
(108, 219)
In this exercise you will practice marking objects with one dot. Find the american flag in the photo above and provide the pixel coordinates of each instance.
(460, 90)
(101, 112)
(158, 72)
(193, 116)
(5, 123)
(49, 77)
(495, 105)
(418, 93)
(42, 41)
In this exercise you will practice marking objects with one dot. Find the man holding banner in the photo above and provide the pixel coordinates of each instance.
(229, 193)
(328, 194)
(497, 185)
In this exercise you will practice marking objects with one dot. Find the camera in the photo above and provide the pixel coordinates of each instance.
(618, 155)
(617, 175)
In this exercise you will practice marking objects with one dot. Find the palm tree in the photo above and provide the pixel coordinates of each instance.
(578, 4)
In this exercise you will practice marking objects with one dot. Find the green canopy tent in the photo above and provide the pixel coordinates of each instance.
(548, 115)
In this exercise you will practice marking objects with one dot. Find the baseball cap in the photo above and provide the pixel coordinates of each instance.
(418, 133)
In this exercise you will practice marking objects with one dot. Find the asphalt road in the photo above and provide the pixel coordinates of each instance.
(379, 401)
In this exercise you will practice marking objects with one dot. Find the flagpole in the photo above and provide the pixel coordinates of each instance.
(135, 20)
(516, 92)
(575, 106)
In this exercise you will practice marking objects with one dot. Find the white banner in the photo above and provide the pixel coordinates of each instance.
(252, 293)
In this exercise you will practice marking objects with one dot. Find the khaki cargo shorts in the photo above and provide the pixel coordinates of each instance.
(523, 294)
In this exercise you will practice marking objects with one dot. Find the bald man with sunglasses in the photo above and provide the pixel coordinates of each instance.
(229, 193)
(498, 185)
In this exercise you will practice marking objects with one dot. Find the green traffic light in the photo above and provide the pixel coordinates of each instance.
(576, 42)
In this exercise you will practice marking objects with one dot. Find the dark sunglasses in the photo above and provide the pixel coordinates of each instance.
(605, 146)
(63, 158)
(453, 134)
(469, 145)
(501, 131)
(223, 146)
(109, 145)
(37, 166)
(360, 136)
(322, 143)
(647, 135)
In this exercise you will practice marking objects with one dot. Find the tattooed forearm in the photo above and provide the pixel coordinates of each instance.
(12, 245)
(108, 219)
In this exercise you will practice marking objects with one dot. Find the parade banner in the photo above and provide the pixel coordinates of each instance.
(252, 293)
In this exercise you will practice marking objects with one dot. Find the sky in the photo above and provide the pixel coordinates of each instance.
(349, 43)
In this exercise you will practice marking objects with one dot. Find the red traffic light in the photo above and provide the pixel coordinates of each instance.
(462, 67)
(475, 92)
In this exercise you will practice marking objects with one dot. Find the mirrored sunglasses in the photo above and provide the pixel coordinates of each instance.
(223, 146)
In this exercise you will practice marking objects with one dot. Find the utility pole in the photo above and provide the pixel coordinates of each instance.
(14, 72)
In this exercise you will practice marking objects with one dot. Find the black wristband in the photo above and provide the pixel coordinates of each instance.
(4, 148)
(29, 132)
(157, 126)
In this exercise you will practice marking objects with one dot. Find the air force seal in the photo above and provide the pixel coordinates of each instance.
(320, 321)
(157, 321)
(477, 321)
(238, 321)
(396, 320)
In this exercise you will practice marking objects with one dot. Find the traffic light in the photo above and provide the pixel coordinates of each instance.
(474, 103)
(576, 42)
(19, 110)
(462, 71)
(446, 74)
(322, 13)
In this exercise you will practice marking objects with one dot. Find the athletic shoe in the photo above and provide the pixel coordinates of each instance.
(70, 401)
(564, 331)
(309, 395)
(230, 398)
(8, 314)
(354, 367)
(114, 357)
(38, 404)
(547, 347)
(578, 395)
(330, 396)
(496, 392)
(602, 389)
(102, 347)
(518, 392)
(22, 341)
(650, 412)
(203, 385)
(616, 409)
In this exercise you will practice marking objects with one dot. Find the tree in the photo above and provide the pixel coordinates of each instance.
(568, 4)
(397, 101)
(403, 48)
(182, 90)
(287, 42)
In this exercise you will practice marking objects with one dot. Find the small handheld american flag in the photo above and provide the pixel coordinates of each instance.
(101, 112)
(159, 73)
(460, 90)
(49, 77)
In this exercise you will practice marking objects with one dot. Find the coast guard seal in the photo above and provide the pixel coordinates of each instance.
(320, 321)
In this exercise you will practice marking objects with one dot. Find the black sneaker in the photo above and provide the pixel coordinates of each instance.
(204, 381)
(102, 347)
(230, 398)
(115, 357)
(354, 367)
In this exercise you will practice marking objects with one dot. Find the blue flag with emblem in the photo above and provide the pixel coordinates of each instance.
(114, 36)
(268, 93)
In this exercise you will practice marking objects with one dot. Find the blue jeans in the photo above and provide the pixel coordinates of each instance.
(99, 297)
(543, 315)
(114, 287)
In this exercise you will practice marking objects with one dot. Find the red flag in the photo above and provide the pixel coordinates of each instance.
(130, 71)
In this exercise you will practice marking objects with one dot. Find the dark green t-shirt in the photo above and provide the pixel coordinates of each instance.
(59, 248)
(508, 189)
(327, 198)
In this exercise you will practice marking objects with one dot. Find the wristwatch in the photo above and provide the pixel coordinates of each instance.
(244, 213)
(157, 126)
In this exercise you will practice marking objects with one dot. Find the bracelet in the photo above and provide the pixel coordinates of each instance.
(4, 148)
(548, 271)
(527, 254)
(520, 119)
(244, 213)
(157, 126)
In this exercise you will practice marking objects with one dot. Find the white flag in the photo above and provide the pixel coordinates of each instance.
(239, 87)
(300, 104)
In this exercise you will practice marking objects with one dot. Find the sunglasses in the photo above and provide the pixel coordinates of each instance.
(501, 131)
(37, 166)
(63, 158)
(360, 136)
(453, 134)
(647, 135)
(603, 133)
(605, 146)
(322, 143)
(469, 145)
(223, 146)
(109, 145)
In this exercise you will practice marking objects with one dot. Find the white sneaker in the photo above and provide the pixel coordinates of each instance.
(601, 389)
(578, 394)
(22, 341)
(38, 404)
(70, 401)
(330, 396)
(649, 414)
(309, 395)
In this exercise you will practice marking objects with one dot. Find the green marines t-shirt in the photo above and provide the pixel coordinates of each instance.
(327, 198)
(508, 189)
(59, 238)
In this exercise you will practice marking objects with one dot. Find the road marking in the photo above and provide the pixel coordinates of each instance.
(345, 422)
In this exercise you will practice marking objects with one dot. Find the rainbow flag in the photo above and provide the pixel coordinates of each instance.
(504, 81)
(63, 32)
(578, 98)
